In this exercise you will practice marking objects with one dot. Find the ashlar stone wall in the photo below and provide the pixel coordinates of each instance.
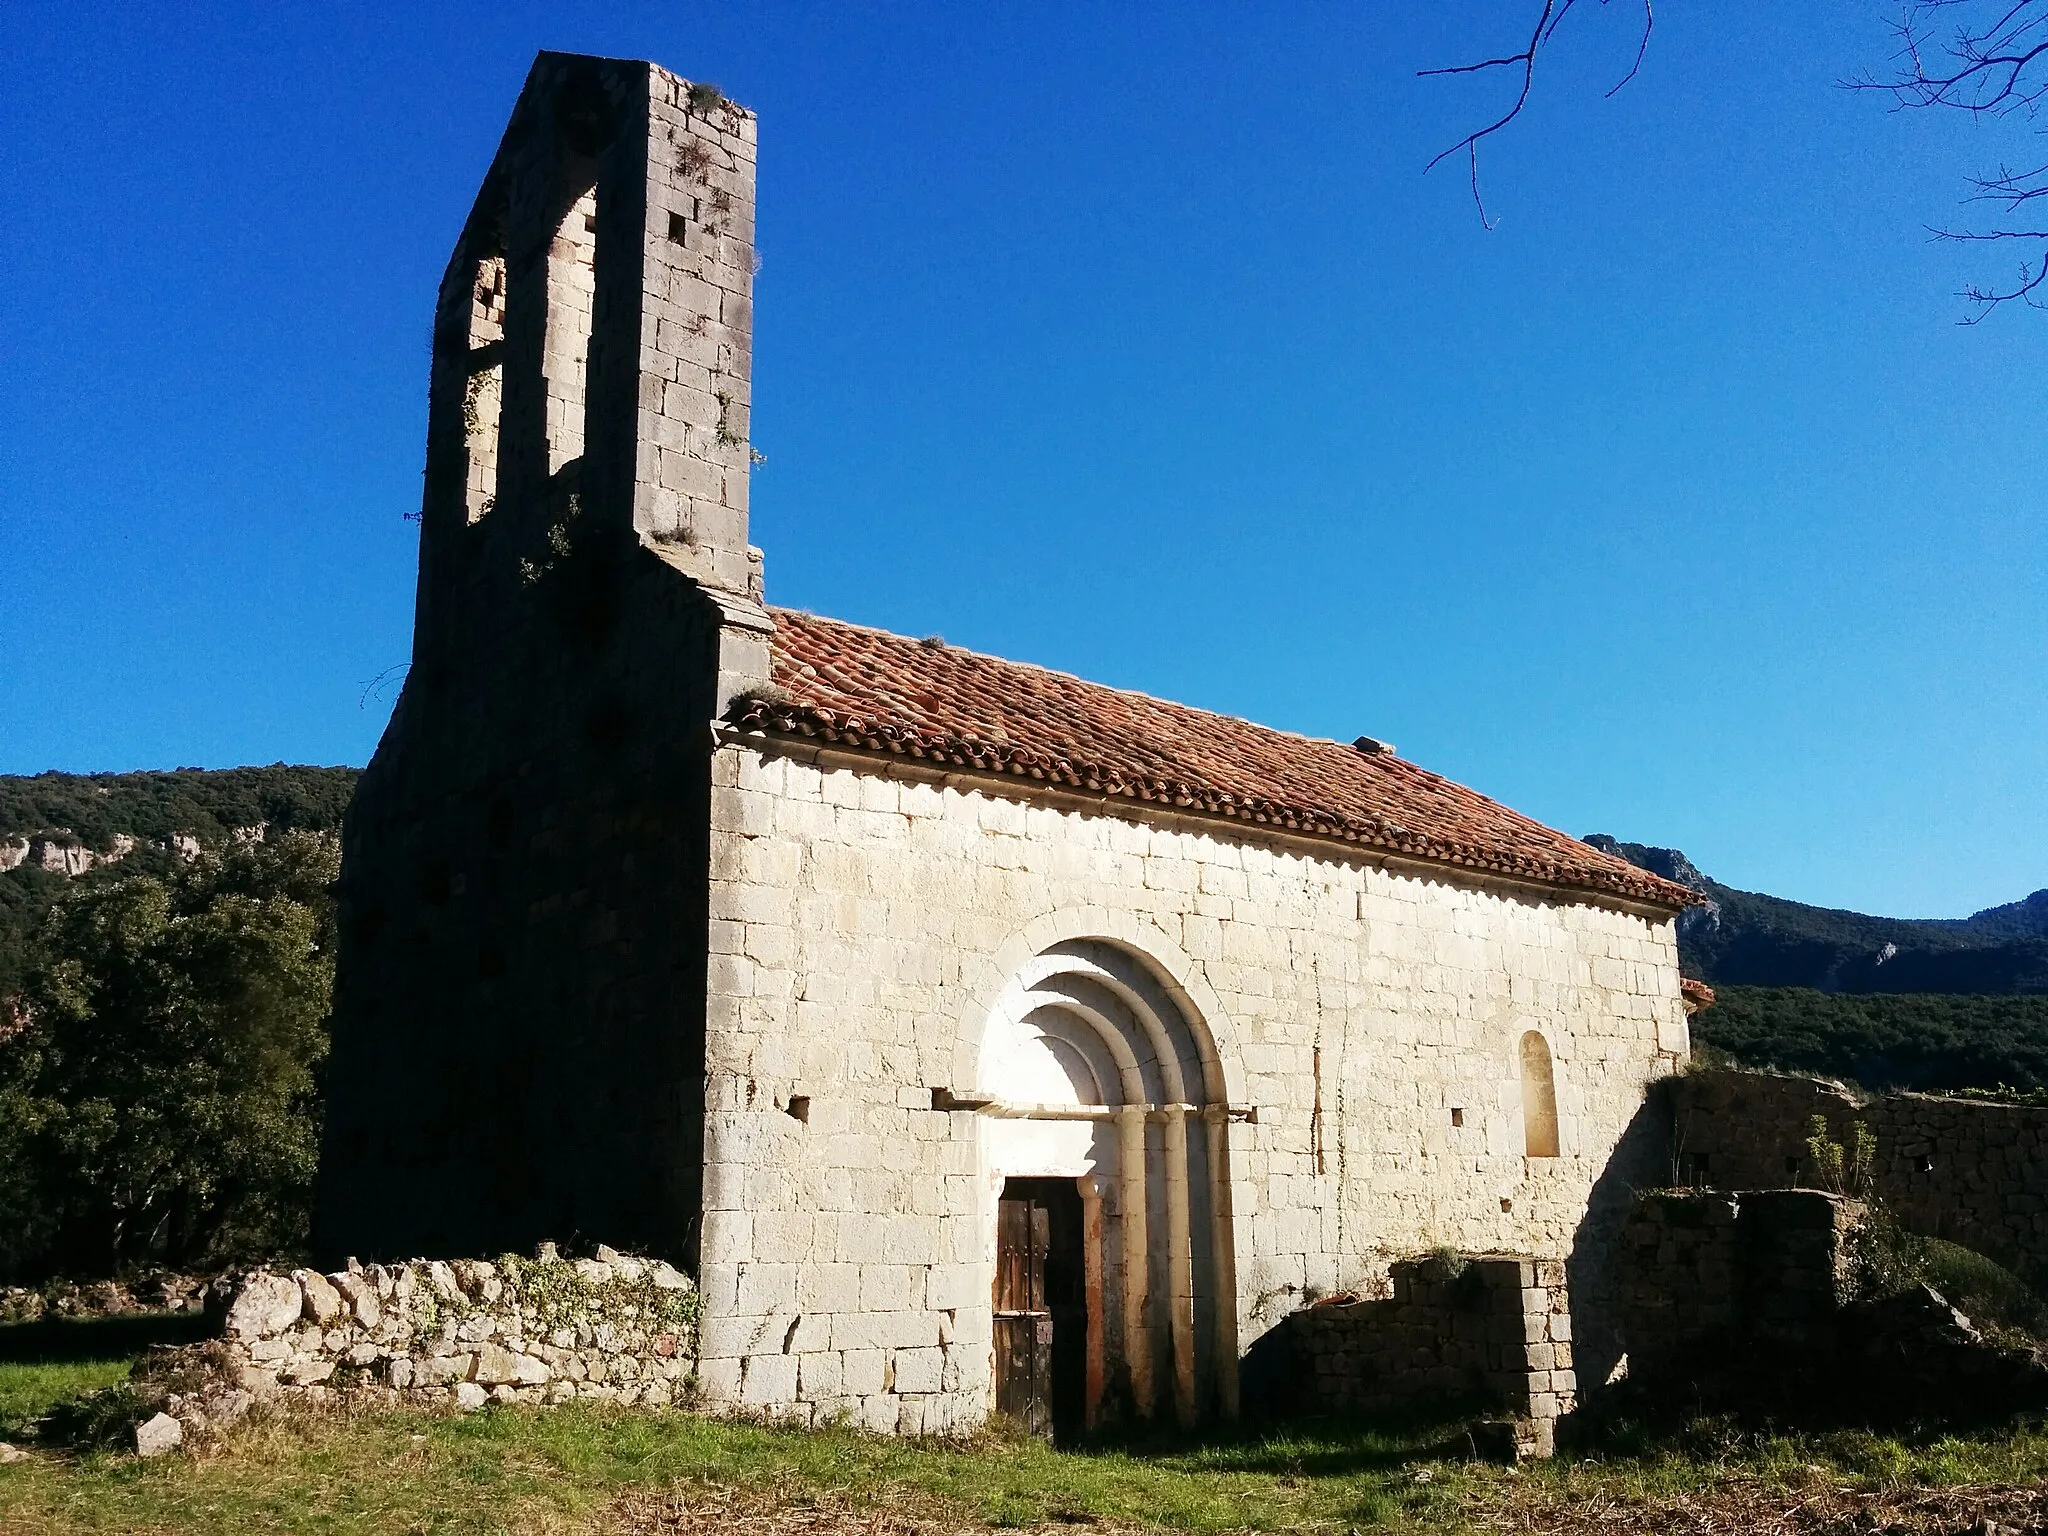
(866, 918)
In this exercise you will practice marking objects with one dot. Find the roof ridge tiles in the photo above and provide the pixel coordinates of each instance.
(872, 690)
(1058, 672)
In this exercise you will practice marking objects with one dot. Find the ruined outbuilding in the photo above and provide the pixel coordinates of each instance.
(978, 1037)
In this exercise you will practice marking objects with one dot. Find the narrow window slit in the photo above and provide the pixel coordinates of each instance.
(1539, 1098)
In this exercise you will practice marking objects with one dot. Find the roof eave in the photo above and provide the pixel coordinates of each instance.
(889, 739)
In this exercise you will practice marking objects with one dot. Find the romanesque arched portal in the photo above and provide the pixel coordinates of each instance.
(1095, 1067)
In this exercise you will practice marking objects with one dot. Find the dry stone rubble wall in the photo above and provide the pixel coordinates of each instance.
(159, 1291)
(547, 1329)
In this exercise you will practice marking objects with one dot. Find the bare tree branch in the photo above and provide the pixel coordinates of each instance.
(1642, 48)
(2010, 187)
(1546, 23)
(1548, 19)
(1988, 58)
(1988, 299)
(1991, 62)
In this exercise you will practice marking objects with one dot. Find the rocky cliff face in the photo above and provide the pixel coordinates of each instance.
(1745, 938)
(60, 852)
(1673, 865)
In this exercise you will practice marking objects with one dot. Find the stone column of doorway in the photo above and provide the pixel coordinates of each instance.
(1216, 1119)
(1091, 1282)
(1180, 1262)
(1137, 1257)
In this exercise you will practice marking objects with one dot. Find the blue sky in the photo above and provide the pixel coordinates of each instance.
(1128, 339)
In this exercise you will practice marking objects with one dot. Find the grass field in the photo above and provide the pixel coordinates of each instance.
(43, 1364)
(585, 1468)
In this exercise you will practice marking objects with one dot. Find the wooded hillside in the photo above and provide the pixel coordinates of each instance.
(93, 810)
(1931, 1043)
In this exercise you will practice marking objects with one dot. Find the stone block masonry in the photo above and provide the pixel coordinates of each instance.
(1972, 1172)
(1748, 1300)
(1702, 1267)
(1368, 1021)
(1494, 1329)
(594, 332)
(523, 870)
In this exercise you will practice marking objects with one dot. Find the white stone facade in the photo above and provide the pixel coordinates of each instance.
(1351, 1046)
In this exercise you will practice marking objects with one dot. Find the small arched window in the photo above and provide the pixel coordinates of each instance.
(572, 298)
(484, 387)
(1539, 1098)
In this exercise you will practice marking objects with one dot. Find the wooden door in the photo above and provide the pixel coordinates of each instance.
(1041, 1314)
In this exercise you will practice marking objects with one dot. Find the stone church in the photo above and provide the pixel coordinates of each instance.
(978, 1036)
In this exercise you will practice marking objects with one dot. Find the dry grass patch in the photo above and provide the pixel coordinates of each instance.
(1737, 1507)
(790, 1512)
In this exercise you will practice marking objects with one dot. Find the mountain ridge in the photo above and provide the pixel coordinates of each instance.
(1747, 938)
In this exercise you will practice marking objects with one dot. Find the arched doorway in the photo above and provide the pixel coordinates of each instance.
(1097, 1078)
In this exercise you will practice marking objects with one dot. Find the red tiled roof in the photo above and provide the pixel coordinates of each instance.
(878, 692)
(1697, 994)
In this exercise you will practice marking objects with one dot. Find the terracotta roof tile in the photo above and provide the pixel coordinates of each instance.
(878, 692)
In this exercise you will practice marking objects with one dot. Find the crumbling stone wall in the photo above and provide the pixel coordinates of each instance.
(1744, 1300)
(1796, 1260)
(1494, 1328)
(1700, 1266)
(1682, 1267)
(154, 1291)
(1971, 1172)
(543, 1330)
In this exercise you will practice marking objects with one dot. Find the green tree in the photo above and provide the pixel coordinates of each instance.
(159, 1095)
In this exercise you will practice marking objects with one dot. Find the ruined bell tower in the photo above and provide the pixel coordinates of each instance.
(593, 338)
(519, 1004)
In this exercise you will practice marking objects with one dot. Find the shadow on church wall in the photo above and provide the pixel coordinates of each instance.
(1641, 1160)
